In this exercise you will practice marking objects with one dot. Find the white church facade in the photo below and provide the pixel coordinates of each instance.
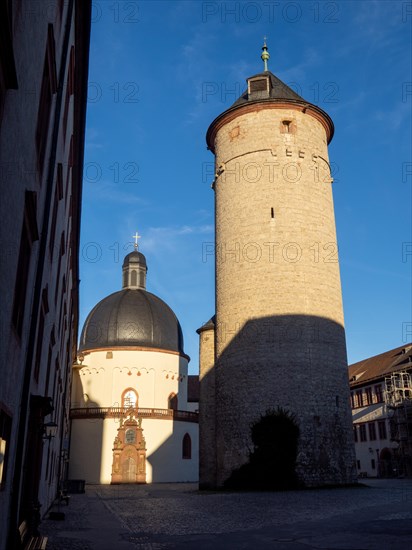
(130, 417)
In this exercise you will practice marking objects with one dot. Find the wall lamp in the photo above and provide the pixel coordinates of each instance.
(49, 430)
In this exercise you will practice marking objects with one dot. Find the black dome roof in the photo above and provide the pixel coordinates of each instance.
(134, 257)
(132, 317)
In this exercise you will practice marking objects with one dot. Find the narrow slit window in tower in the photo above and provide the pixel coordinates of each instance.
(286, 126)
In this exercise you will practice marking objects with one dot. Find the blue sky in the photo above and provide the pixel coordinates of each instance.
(160, 72)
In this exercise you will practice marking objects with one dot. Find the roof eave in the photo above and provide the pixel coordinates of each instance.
(131, 347)
(304, 105)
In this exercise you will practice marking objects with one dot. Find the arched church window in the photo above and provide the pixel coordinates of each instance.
(133, 278)
(172, 402)
(130, 436)
(125, 279)
(129, 399)
(186, 447)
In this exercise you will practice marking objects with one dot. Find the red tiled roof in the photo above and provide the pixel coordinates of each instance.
(380, 365)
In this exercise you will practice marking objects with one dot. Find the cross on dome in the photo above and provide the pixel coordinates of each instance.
(136, 237)
(134, 267)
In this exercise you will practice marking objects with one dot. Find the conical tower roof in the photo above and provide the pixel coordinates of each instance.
(265, 90)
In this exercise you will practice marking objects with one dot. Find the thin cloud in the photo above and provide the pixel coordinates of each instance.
(109, 192)
(357, 101)
(394, 118)
(93, 140)
(168, 237)
(366, 268)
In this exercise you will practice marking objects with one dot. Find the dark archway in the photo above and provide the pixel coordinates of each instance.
(386, 463)
(186, 447)
(272, 463)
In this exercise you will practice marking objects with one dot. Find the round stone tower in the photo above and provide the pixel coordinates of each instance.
(279, 331)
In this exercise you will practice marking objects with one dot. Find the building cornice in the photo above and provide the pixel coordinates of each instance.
(260, 105)
(123, 412)
(134, 348)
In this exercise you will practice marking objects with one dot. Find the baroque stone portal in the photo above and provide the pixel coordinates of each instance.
(129, 452)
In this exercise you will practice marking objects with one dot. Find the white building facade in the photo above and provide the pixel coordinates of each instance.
(131, 422)
(370, 428)
(381, 400)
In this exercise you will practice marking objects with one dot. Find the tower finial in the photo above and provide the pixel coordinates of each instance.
(134, 268)
(265, 55)
(136, 237)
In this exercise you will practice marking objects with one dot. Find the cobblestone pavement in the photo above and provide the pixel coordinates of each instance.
(376, 515)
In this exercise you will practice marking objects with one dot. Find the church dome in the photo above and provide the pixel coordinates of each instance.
(134, 257)
(132, 317)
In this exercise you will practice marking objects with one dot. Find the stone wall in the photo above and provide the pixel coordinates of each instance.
(279, 319)
(42, 126)
(207, 433)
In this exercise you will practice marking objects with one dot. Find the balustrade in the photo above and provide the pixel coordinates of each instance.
(123, 412)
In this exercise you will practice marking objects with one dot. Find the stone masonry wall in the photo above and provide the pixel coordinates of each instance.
(207, 433)
(279, 328)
